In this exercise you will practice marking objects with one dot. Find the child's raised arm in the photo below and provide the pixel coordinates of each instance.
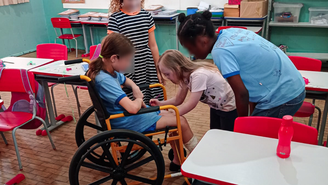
(135, 89)
(133, 106)
(176, 101)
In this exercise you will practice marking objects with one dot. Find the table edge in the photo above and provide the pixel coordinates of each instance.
(205, 179)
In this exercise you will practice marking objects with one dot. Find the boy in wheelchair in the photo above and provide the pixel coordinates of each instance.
(117, 51)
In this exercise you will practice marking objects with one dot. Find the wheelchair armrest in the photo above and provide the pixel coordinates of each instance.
(143, 111)
(142, 87)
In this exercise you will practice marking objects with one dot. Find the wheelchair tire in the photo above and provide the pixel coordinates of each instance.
(111, 171)
(80, 138)
(171, 155)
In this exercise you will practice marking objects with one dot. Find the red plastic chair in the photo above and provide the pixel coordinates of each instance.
(269, 127)
(56, 52)
(64, 23)
(308, 64)
(11, 81)
(52, 51)
(227, 27)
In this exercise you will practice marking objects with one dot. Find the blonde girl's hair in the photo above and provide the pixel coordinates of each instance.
(113, 44)
(116, 5)
(180, 64)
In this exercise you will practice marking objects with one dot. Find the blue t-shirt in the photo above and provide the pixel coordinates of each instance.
(268, 74)
(110, 91)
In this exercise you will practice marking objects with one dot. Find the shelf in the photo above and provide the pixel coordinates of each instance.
(319, 56)
(300, 24)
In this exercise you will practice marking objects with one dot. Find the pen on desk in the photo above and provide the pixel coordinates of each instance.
(8, 62)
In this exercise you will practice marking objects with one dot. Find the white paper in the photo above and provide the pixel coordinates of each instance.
(203, 6)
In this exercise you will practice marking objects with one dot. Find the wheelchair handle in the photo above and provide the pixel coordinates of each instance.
(69, 79)
(77, 61)
(143, 111)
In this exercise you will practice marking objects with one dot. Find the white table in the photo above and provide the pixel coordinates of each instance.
(23, 63)
(223, 157)
(59, 69)
(318, 89)
(50, 73)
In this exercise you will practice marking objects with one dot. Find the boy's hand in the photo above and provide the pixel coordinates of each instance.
(154, 102)
(137, 93)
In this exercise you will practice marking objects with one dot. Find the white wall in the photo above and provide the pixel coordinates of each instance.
(172, 4)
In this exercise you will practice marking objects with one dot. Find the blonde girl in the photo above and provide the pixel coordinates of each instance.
(205, 83)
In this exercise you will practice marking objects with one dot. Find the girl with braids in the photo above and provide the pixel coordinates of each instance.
(116, 54)
(205, 83)
(131, 20)
(260, 74)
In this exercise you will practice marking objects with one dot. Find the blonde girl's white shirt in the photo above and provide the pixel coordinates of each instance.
(217, 92)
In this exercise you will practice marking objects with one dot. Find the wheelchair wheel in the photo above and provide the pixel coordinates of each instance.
(83, 171)
(87, 127)
(171, 155)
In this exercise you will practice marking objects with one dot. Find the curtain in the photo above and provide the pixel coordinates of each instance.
(9, 2)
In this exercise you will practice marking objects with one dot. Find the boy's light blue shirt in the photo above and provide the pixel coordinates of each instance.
(268, 74)
(110, 91)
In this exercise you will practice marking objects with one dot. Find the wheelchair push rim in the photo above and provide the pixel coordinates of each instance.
(118, 171)
(81, 138)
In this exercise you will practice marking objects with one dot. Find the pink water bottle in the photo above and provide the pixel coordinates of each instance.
(285, 136)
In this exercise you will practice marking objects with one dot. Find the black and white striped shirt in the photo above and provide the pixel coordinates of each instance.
(136, 27)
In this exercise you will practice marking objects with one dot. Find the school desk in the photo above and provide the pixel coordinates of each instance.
(50, 73)
(318, 89)
(231, 21)
(226, 158)
(24, 63)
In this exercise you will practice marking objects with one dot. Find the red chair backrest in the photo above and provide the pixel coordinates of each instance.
(92, 50)
(269, 127)
(52, 51)
(59, 22)
(11, 81)
(227, 27)
(304, 63)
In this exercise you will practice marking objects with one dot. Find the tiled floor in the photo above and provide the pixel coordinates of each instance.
(42, 165)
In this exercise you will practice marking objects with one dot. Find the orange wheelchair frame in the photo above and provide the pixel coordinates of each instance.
(118, 163)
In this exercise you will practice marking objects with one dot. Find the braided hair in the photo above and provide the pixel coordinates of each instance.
(195, 25)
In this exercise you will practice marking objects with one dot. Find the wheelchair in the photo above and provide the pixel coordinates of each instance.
(119, 155)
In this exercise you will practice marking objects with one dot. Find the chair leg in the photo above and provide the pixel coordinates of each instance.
(48, 133)
(319, 117)
(77, 100)
(76, 47)
(16, 149)
(310, 120)
(69, 45)
(4, 138)
(53, 98)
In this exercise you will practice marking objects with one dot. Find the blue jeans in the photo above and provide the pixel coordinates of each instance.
(289, 108)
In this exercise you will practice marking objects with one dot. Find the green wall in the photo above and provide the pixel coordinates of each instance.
(307, 40)
(22, 27)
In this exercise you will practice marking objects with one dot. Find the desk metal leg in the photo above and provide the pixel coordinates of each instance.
(263, 28)
(85, 39)
(91, 36)
(50, 109)
(176, 32)
(323, 123)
